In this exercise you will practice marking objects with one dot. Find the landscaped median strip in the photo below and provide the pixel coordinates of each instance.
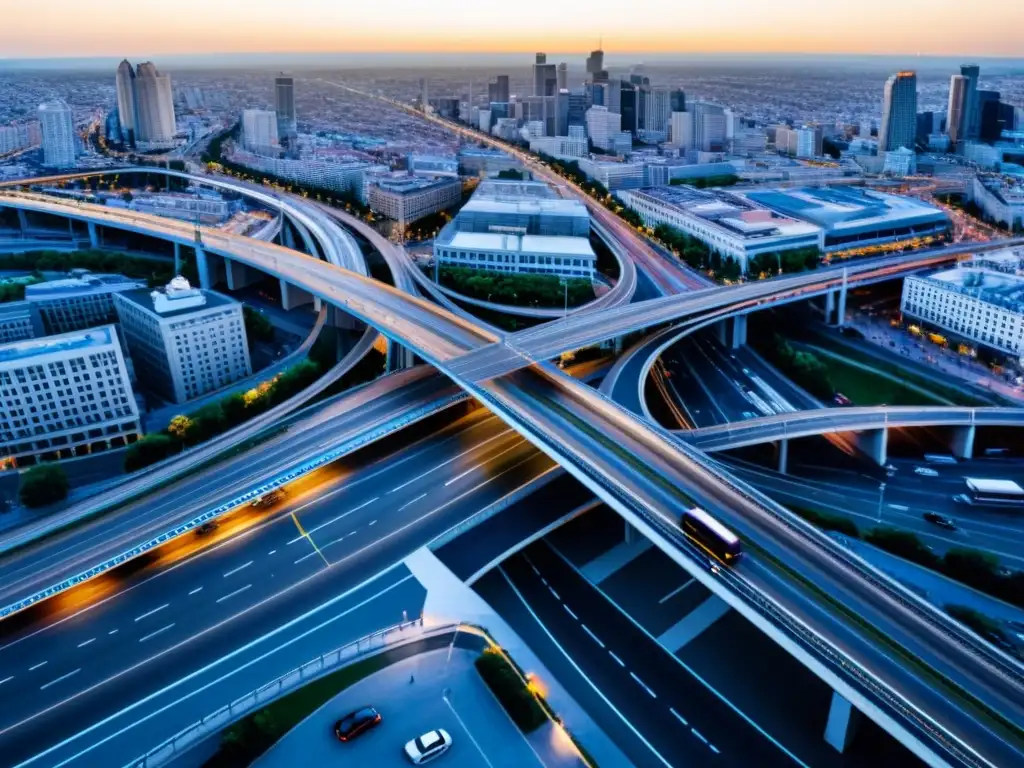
(278, 481)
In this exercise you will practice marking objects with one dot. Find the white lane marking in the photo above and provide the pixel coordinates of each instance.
(239, 568)
(407, 482)
(535, 569)
(410, 503)
(197, 589)
(698, 734)
(232, 594)
(899, 507)
(475, 467)
(198, 672)
(305, 557)
(593, 637)
(643, 685)
(569, 611)
(453, 458)
(62, 677)
(714, 748)
(679, 717)
(373, 522)
(37, 666)
(112, 632)
(468, 732)
(271, 552)
(621, 662)
(160, 631)
(90, 640)
(333, 520)
(675, 592)
(150, 613)
(554, 593)
(6, 680)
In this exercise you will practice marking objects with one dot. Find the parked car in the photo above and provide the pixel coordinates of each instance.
(429, 746)
(936, 519)
(208, 527)
(356, 723)
(925, 472)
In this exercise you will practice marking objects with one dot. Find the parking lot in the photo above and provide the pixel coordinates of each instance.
(443, 693)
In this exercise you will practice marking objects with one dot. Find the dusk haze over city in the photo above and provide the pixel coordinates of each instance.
(545, 385)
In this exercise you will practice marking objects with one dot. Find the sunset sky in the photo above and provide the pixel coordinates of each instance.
(60, 28)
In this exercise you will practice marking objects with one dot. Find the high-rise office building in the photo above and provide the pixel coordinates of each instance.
(58, 126)
(562, 77)
(595, 66)
(260, 129)
(284, 106)
(709, 127)
(972, 113)
(602, 126)
(658, 112)
(677, 99)
(628, 98)
(154, 107)
(956, 111)
(125, 80)
(681, 130)
(545, 76)
(424, 95)
(899, 113)
(498, 91)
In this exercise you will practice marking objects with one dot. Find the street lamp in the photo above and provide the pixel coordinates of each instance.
(881, 496)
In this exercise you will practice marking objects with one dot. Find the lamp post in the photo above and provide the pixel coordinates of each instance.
(881, 496)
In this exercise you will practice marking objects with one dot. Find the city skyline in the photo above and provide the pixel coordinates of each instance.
(116, 27)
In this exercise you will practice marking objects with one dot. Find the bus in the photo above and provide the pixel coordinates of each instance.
(994, 492)
(939, 458)
(711, 536)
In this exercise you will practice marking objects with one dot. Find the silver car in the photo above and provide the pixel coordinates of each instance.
(429, 746)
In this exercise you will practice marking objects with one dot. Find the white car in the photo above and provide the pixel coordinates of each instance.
(925, 472)
(430, 745)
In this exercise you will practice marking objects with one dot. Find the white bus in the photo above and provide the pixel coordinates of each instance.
(994, 492)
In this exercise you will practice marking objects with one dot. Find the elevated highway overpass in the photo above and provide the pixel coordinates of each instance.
(882, 648)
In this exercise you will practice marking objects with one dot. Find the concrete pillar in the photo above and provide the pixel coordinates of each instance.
(830, 307)
(203, 267)
(962, 445)
(630, 533)
(94, 235)
(238, 275)
(22, 220)
(783, 450)
(287, 235)
(617, 346)
(842, 723)
(841, 314)
(339, 318)
(399, 358)
(292, 297)
(177, 258)
(722, 332)
(874, 443)
(739, 331)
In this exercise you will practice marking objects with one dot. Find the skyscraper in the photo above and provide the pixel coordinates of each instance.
(955, 114)
(595, 65)
(154, 106)
(545, 77)
(498, 91)
(260, 129)
(972, 112)
(899, 113)
(284, 105)
(562, 76)
(126, 101)
(678, 100)
(709, 128)
(58, 128)
(658, 112)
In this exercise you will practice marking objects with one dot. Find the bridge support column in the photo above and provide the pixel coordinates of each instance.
(829, 307)
(399, 358)
(203, 268)
(339, 318)
(782, 448)
(23, 220)
(874, 443)
(292, 297)
(177, 258)
(841, 313)
(238, 275)
(739, 331)
(617, 347)
(94, 234)
(287, 235)
(722, 332)
(631, 535)
(962, 445)
(842, 723)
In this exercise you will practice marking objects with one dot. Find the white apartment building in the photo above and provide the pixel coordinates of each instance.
(64, 394)
(979, 305)
(900, 162)
(16, 322)
(614, 175)
(76, 303)
(602, 126)
(58, 127)
(560, 146)
(328, 174)
(408, 199)
(183, 341)
(259, 129)
(536, 254)
(681, 130)
(1003, 202)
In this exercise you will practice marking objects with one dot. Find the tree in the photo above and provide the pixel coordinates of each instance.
(42, 485)
(257, 326)
(829, 148)
(127, 196)
(902, 544)
(511, 173)
(149, 450)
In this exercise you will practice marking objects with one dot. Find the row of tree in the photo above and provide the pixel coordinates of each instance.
(521, 290)
(804, 368)
(697, 254)
(155, 272)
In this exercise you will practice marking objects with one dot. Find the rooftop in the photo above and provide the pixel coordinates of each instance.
(14, 310)
(178, 297)
(739, 216)
(492, 241)
(20, 351)
(409, 184)
(89, 283)
(512, 189)
(840, 208)
(1001, 288)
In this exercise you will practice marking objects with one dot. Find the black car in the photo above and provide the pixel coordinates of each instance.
(936, 519)
(356, 723)
(208, 527)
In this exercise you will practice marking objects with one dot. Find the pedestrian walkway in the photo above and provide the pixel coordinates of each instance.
(438, 689)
